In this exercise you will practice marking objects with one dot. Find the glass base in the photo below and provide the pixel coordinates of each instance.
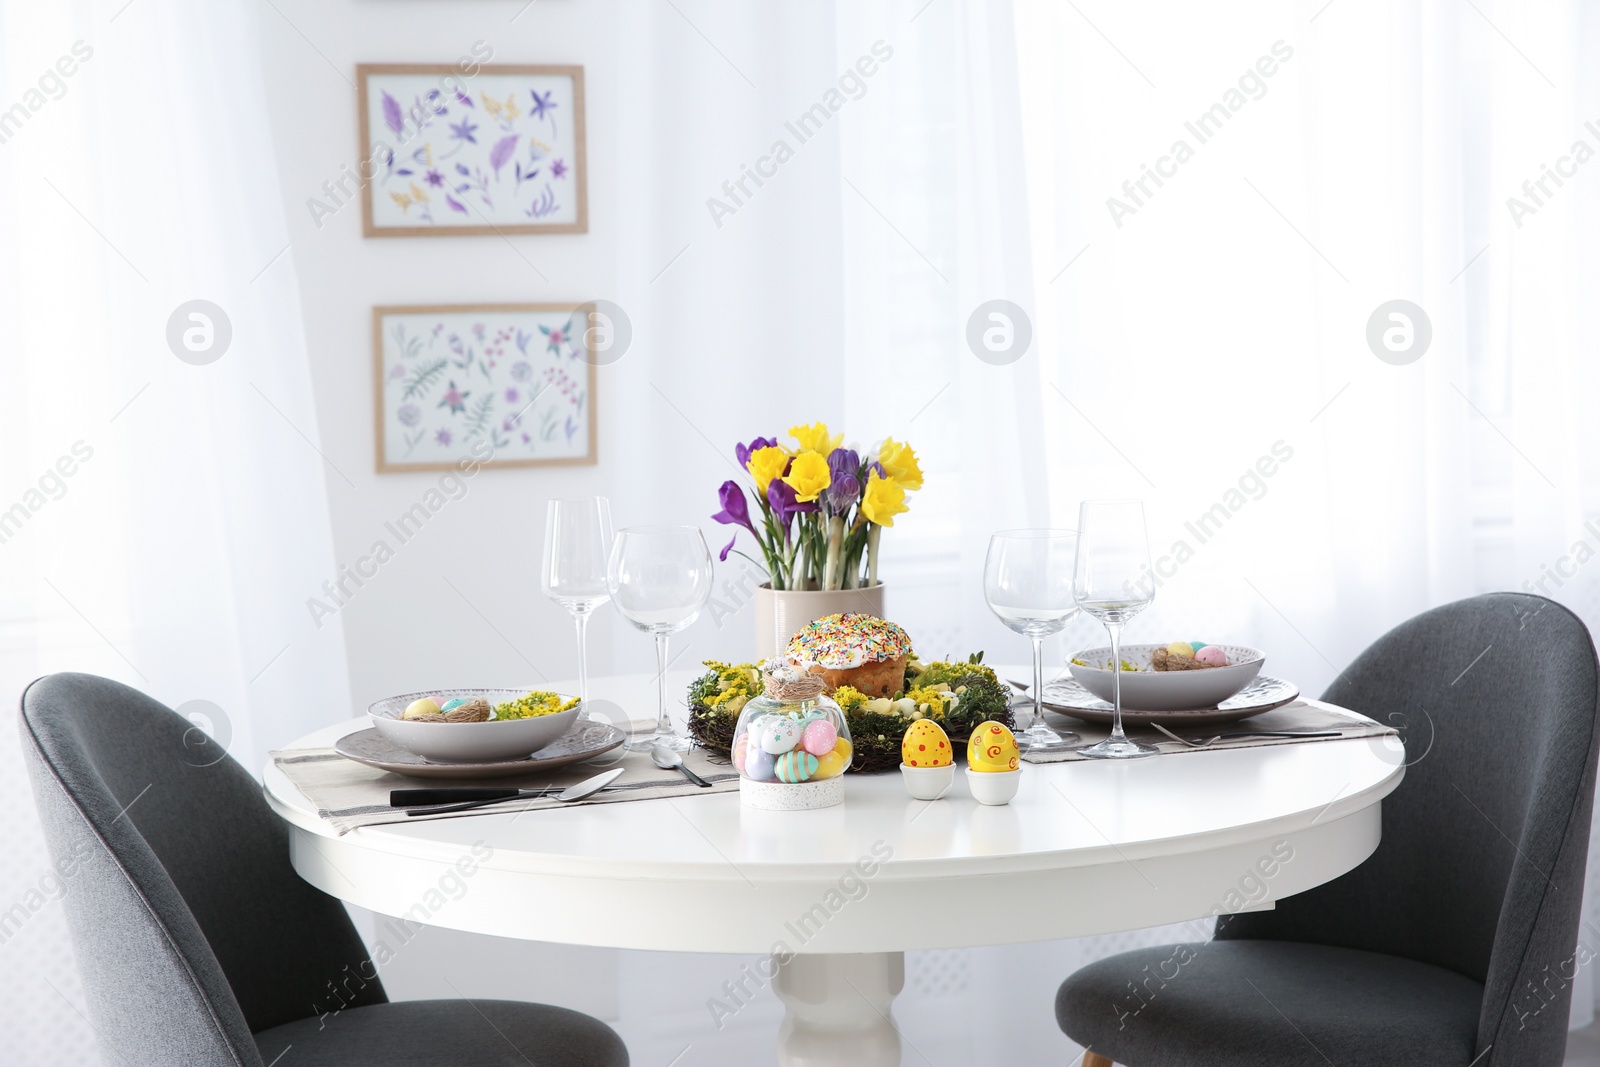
(1040, 736)
(1123, 749)
(675, 742)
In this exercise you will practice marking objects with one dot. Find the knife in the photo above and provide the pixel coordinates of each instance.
(587, 787)
(410, 798)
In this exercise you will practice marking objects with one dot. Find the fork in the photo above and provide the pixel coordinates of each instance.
(1207, 742)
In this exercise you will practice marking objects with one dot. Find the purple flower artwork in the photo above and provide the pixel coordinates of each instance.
(491, 385)
(500, 151)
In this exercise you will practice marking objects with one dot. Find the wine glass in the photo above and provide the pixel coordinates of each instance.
(577, 544)
(660, 578)
(1110, 582)
(1027, 580)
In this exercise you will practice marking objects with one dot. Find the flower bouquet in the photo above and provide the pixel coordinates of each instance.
(820, 507)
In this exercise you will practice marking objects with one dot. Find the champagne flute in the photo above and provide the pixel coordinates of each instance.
(1110, 583)
(1027, 580)
(577, 545)
(660, 578)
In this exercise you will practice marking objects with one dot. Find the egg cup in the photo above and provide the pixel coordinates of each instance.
(993, 787)
(927, 783)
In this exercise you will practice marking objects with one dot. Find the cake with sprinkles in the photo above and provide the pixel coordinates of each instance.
(862, 651)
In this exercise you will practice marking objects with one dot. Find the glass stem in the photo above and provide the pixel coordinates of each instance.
(1115, 629)
(1038, 681)
(582, 619)
(663, 723)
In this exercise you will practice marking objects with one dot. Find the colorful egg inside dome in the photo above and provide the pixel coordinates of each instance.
(818, 737)
(778, 734)
(833, 764)
(992, 748)
(796, 765)
(926, 745)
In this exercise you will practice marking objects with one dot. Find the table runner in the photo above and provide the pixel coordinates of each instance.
(1302, 715)
(349, 795)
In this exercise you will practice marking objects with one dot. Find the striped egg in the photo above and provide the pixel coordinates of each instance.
(796, 765)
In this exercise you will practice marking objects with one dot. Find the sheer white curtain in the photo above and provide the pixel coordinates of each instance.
(1201, 344)
(1207, 349)
(173, 517)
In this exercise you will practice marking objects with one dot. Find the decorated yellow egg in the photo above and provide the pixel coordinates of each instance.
(992, 748)
(926, 745)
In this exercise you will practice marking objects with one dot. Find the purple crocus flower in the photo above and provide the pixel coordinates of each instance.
(780, 494)
(742, 452)
(844, 465)
(735, 508)
(723, 555)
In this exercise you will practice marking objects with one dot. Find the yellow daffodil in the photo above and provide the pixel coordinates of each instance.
(884, 500)
(808, 476)
(815, 438)
(900, 463)
(766, 464)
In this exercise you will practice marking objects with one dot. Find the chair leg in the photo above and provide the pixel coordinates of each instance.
(1094, 1059)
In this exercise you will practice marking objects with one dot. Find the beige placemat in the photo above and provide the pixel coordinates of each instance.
(349, 795)
(1300, 715)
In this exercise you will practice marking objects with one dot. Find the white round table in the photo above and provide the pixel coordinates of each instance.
(833, 898)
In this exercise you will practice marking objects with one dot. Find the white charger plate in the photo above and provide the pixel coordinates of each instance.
(584, 741)
(1067, 697)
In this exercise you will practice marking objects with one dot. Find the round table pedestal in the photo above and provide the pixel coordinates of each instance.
(837, 1009)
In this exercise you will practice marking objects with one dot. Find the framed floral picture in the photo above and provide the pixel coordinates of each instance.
(509, 385)
(499, 151)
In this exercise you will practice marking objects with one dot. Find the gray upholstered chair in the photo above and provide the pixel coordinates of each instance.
(1455, 942)
(198, 943)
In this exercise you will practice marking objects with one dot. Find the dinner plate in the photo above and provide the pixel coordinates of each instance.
(584, 741)
(1067, 697)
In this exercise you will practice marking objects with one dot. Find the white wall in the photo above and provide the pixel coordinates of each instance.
(409, 629)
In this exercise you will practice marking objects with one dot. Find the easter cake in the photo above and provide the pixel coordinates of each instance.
(864, 652)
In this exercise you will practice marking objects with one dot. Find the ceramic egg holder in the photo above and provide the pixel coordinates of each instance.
(792, 745)
(927, 760)
(994, 764)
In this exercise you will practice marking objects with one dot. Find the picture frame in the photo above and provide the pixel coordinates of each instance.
(505, 385)
(500, 151)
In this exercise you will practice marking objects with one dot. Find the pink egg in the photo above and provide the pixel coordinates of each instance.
(738, 753)
(819, 738)
(1212, 656)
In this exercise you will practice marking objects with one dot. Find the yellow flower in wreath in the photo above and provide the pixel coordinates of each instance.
(900, 463)
(884, 500)
(808, 476)
(766, 464)
(815, 438)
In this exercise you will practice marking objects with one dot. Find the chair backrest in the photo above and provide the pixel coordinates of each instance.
(1481, 866)
(190, 927)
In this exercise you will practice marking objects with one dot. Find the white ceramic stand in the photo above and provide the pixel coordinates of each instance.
(837, 1009)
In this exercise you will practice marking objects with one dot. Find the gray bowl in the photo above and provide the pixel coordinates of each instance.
(1147, 690)
(469, 742)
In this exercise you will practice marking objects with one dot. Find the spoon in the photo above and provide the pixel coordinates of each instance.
(665, 758)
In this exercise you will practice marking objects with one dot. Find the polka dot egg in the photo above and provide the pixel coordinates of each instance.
(926, 745)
